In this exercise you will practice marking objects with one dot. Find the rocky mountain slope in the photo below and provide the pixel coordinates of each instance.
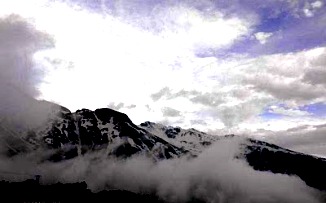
(103, 129)
(264, 156)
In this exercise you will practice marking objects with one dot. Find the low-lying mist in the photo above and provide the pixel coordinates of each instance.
(214, 176)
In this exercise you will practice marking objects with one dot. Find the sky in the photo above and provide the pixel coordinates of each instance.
(247, 67)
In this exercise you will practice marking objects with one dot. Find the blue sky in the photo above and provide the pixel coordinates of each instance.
(235, 66)
(317, 109)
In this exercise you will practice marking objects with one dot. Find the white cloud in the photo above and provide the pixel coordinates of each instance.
(317, 4)
(310, 8)
(308, 12)
(97, 52)
(262, 37)
(114, 57)
(235, 91)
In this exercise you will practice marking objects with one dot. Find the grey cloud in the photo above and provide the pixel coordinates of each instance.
(18, 75)
(170, 112)
(167, 93)
(241, 93)
(213, 104)
(200, 122)
(317, 72)
(148, 107)
(235, 114)
(321, 60)
(296, 80)
(184, 93)
(19, 41)
(163, 92)
(320, 126)
(229, 115)
(117, 107)
(295, 90)
(296, 129)
(120, 105)
(308, 139)
(208, 99)
(315, 77)
(131, 106)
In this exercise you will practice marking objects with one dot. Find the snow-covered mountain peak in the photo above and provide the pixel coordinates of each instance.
(190, 139)
(103, 129)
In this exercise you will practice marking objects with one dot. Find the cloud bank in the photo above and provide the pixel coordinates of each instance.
(215, 176)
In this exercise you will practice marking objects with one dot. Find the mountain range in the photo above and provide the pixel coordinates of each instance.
(72, 134)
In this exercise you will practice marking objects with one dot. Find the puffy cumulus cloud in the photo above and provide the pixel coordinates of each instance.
(311, 7)
(214, 176)
(281, 76)
(234, 91)
(284, 88)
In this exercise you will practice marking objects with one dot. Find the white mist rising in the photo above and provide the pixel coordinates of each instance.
(214, 176)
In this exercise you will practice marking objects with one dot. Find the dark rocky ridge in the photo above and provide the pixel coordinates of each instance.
(103, 128)
(264, 156)
(32, 191)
